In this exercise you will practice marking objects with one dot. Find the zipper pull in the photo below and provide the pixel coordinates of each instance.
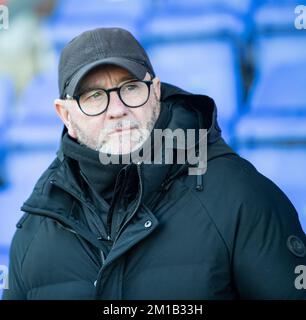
(22, 220)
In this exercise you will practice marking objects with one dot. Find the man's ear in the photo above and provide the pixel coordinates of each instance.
(62, 111)
(157, 87)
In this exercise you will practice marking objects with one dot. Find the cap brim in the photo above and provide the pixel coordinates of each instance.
(136, 69)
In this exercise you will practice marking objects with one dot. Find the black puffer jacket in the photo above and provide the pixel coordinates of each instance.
(228, 234)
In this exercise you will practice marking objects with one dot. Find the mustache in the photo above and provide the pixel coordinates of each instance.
(121, 124)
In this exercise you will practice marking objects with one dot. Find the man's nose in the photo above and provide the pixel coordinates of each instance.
(116, 108)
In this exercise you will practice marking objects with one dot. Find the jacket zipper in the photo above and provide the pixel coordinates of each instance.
(137, 205)
(127, 221)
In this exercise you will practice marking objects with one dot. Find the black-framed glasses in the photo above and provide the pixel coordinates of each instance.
(133, 94)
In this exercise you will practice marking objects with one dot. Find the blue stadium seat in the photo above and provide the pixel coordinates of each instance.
(73, 17)
(276, 108)
(197, 18)
(167, 25)
(206, 67)
(24, 169)
(275, 15)
(253, 129)
(7, 101)
(276, 49)
(36, 124)
(235, 6)
(101, 8)
(36, 102)
(4, 251)
(282, 90)
(61, 32)
(287, 168)
(7, 104)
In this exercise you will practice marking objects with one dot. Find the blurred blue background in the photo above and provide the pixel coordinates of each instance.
(246, 54)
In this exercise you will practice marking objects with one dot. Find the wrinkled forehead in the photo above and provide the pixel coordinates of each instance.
(103, 76)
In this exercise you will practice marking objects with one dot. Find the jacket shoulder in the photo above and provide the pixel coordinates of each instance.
(235, 192)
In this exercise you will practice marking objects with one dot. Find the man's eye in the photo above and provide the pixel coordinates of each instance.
(131, 87)
(96, 94)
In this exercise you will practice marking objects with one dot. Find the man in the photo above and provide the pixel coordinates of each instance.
(147, 230)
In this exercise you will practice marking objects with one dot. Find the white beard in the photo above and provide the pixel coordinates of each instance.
(122, 142)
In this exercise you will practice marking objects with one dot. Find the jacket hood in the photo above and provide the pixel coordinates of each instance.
(206, 111)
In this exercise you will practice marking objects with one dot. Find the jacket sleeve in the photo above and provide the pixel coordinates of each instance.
(20, 244)
(16, 289)
(269, 246)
